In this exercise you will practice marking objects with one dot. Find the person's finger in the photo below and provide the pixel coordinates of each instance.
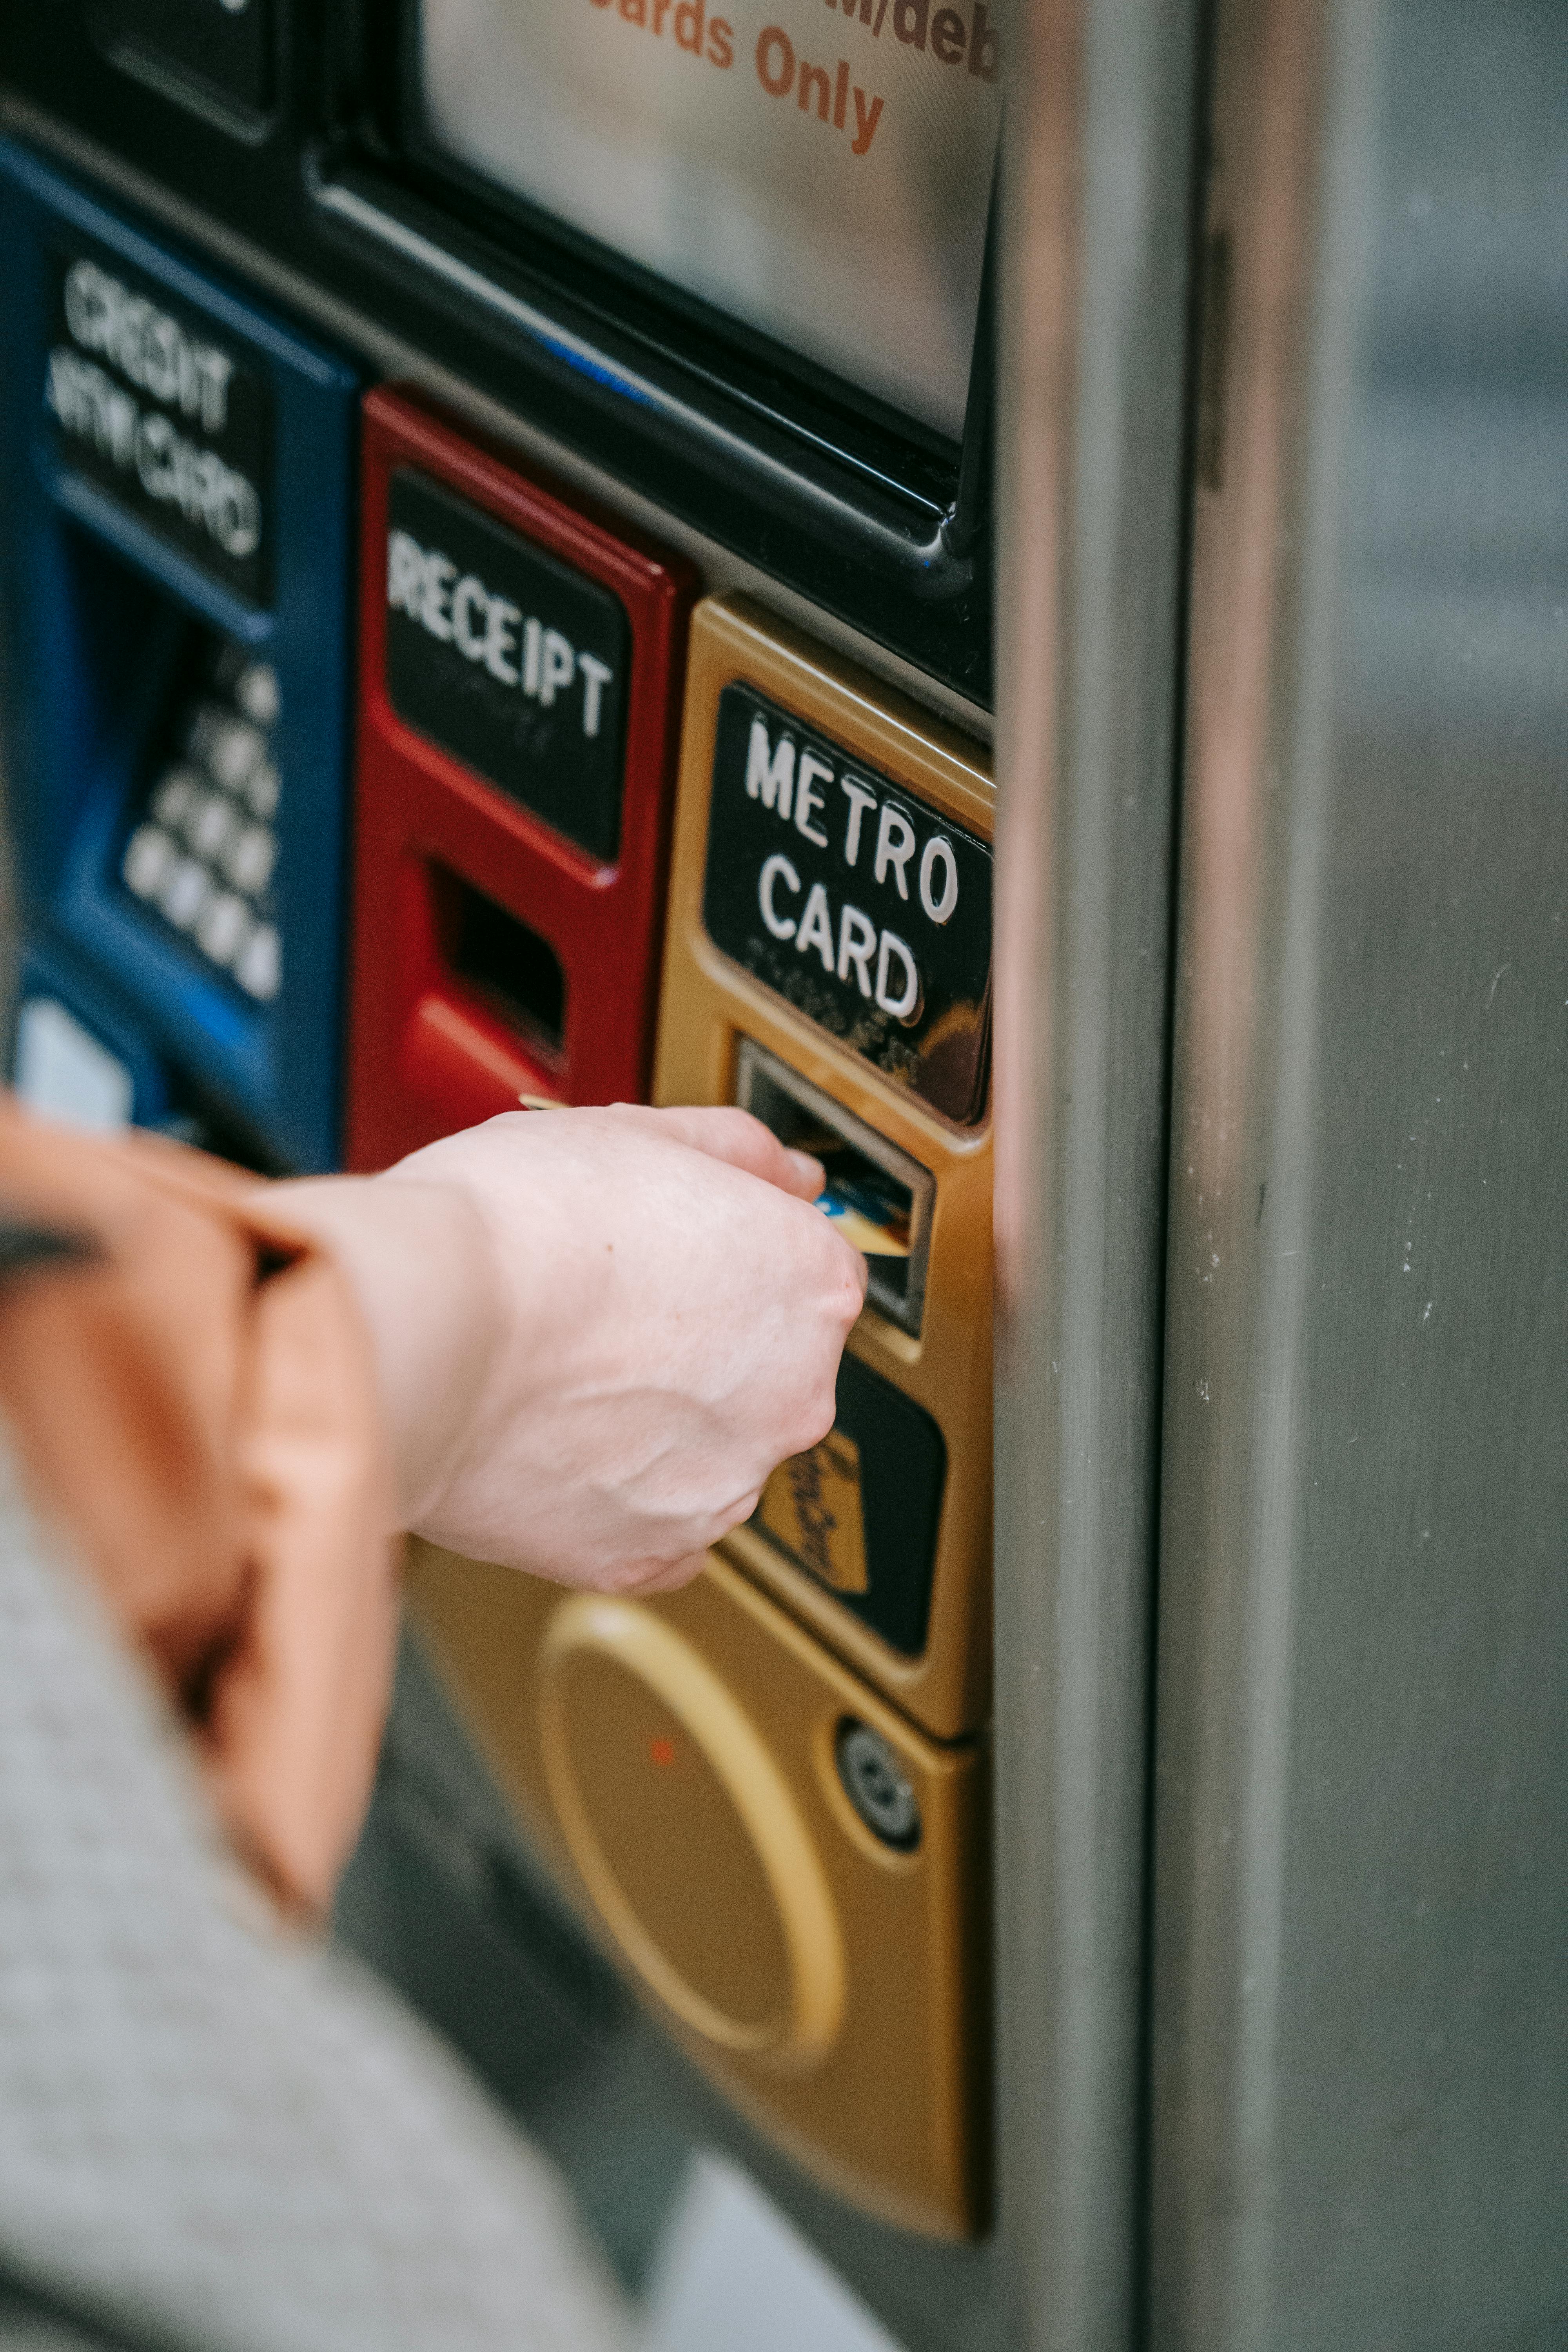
(660, 1576)
(724, 1132)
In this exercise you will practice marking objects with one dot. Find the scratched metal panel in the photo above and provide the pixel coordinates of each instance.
(1098, 180)
(1360, 2001)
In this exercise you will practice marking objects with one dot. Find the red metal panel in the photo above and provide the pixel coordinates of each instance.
(428, 1051)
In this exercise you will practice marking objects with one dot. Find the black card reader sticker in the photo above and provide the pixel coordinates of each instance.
(866, 910)
(167, 414)
(860, 1512)
(511, 660)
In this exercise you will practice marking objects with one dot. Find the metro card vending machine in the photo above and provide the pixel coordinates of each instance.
(672, 778)
(1179, 1967)
(175, 571)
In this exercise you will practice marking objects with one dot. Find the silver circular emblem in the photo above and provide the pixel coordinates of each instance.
(877, 1786)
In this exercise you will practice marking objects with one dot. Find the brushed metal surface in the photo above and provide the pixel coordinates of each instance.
(1361, 2006)
(1097, 182)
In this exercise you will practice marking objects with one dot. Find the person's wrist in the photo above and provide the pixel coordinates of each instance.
(419, 1256)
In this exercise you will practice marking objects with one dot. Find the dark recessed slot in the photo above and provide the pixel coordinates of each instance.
(879, 1192)
(516, 972)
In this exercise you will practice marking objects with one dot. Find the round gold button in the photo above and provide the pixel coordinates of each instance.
(686, 1833)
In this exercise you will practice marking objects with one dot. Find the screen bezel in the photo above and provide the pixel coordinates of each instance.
(752, 353)
(861, 507)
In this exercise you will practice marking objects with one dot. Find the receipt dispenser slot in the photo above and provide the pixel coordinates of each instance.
(502, 960)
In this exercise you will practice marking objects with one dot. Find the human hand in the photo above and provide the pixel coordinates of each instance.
(596, 1331)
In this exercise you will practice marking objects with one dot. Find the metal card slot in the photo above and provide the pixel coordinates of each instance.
(803, 1116)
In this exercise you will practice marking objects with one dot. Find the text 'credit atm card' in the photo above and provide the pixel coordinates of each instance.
(871, 1208)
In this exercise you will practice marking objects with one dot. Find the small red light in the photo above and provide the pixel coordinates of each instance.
(661, 1751)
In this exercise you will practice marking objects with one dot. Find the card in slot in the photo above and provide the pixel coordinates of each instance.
(870, 1209)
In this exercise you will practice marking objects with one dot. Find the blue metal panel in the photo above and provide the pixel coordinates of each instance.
(104, 1017)
(113, 606)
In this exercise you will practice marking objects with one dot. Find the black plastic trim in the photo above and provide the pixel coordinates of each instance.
(822, 492)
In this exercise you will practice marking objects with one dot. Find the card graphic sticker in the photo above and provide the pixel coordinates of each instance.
(860, 1512)
(866, 910)
(811, 1506)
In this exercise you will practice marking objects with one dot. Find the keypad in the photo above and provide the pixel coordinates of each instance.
(203, 848)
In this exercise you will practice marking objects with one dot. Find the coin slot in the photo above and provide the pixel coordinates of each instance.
(880, 1198)
(514, 971)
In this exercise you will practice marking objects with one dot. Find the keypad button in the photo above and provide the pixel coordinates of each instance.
(147, 855)
(171, 800)
(250, 859)
(205, 850)
(262, 791)
(182, 892)
(210, 825)
(255, 692)
(227, 747)
(224, 927)
(259, 967)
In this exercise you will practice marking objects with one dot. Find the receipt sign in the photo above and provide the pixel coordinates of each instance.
(509, 658)
(862, 907)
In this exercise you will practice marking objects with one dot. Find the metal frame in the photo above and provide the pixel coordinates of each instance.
(1358, 2036)
(753, 1063)
(1093, 303)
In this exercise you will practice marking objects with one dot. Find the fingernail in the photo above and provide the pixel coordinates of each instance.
(810, 1171)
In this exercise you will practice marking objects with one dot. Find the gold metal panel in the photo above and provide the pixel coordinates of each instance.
(648, 1753)
(675, 1761)
(709, 1006)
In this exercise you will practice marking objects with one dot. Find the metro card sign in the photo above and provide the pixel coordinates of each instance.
(864, 910)
(511, 660)
(161, 412)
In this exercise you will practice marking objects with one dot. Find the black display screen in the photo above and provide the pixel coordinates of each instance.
(822, 176)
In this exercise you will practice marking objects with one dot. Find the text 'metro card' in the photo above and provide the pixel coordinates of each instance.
(862, 907)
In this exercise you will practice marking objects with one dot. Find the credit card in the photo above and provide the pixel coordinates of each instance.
(861, 1231)
(870, 1209)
